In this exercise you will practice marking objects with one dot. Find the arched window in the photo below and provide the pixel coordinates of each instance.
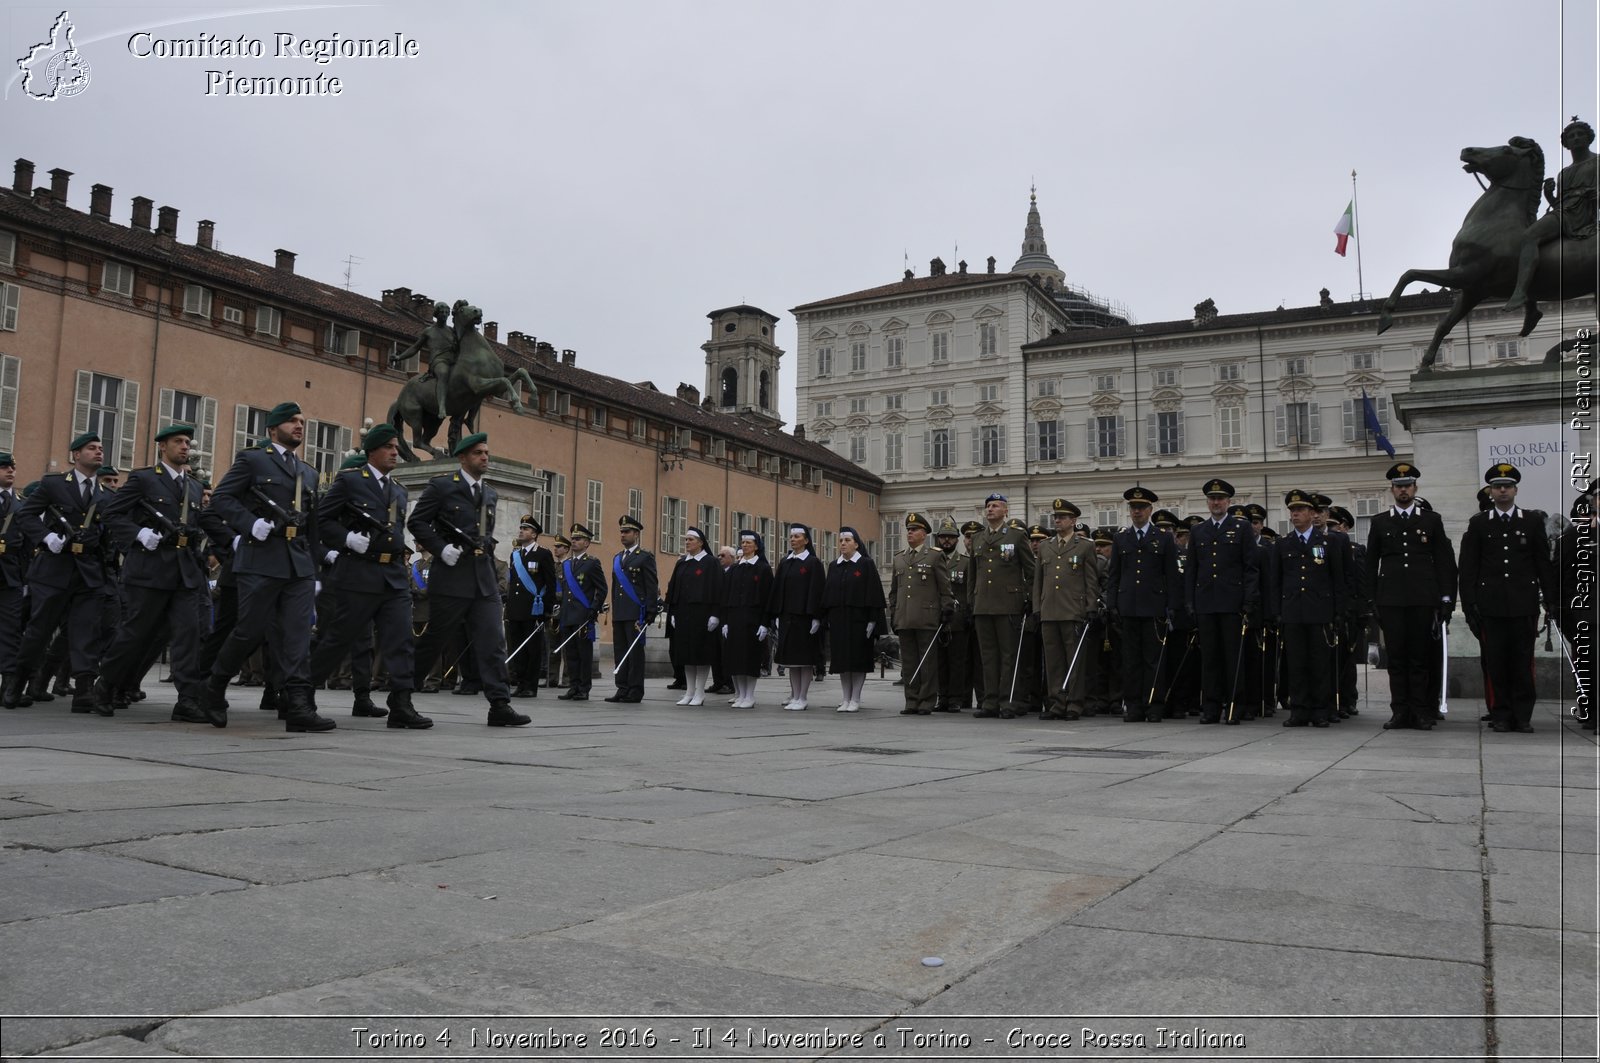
(765, 396)
(730, 387)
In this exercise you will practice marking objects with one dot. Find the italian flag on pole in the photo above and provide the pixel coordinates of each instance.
(1345, 229)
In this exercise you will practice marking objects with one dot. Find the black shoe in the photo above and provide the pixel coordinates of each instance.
(213, 707)
(1297, 723)
(12, 695)
(910, 712)
(525, 692)
(468, 688)
(402, 716)
(183, 712)
(1500, 728)
(1319, 723)
(301, 713)
(1210, 719)
(105, 699)
(1524, 729)
(63, 688)
(678, 686)
(135, 695)
(1007, 714)
(720, 688)
(1423, 725)
(269, 701)
(501, 714)
(570, 695)
(986, 714)
(618, 696)
(1234, 722)
(84, 698)
(580, 697)
(39, 689)
(364, 707)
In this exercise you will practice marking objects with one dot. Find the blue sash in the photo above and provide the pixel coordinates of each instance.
(576, 591)
(625, 583)
(416, 577)
(520, 567)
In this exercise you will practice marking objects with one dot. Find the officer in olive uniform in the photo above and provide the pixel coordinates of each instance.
(63, 530)
(954, 681)
(362, 520)
(1506, 573)
(1410, 579)
(920, 604)
(1143, 593)
(1222, 585)
(634, 589)
(1066, 592)
(583, 599)
(13, 606)
(454, 521)
(530, 606)
(1002, 580)
(1306, 594)
(154, 518)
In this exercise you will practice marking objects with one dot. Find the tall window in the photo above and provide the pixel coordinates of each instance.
(596, 521)
(858, 448)
(940, 448)
(1230, 427)
(10, 389)
(989, 445)
(249, 425)
(325, 447)
(1046, 439)
(894, 352)
(1355, 418)
(858, 356)
(108, 406)
(343, 341)
(1298, 424)
(10, 300)
(180, 407)
(636, 504)
(824, 361)
(894, 448)
(939, 344)
(552, 504)
(893, 529)
(117, 277)
(197, 300)
(269, 320)
(674, 522)
(8, 249)
(597, 416)
(711, 524)
(767, 529)
(988, 340)
(1166, 433)
(1106, 437)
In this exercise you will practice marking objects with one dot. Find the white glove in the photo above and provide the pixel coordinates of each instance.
(236, 539)
(724, 630)
(261, 529)
(870, 625)
(55, 541)
(450, 554)
(816, 626)
(148, 538)
(316, 588)
(357, 542)
(713, 624)
(211, 584)
(761, 633)
(330, 557)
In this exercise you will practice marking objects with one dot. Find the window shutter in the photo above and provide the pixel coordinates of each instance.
(1061, 440)
(1001, 450)
(208, 431)
(1383, 413)
(1152, 435)
(1281, 425)
(10, 296)
(1091, 439)
(1316, 422)
(667, 546)
(1352, 426)
(164, 414)
(1030, 447)
(1122, 436)
(10, 384)
(309, 451)
(1182, 432)
(927, 449)
(977, 446)
(80, 403)
(352, 343)
(130, 425)
(344, 443)
(241, 429)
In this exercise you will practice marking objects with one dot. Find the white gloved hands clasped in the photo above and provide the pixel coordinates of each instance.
(261, 529)
(357, 542)
(149, 538)
(450, 554)
(54, 541)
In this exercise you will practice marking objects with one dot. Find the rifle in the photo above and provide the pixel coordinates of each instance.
(454, 535)
(179, 532)
(377, 530)
(292, 521)
(73, 535)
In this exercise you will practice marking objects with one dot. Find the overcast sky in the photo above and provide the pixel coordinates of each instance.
(602, 174)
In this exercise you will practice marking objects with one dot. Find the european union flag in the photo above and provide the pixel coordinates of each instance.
(1370, 413)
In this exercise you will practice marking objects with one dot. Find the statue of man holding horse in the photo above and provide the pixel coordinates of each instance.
(1572, 215)
(439, 340)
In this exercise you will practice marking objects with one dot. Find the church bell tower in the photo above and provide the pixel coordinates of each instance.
(742, 363)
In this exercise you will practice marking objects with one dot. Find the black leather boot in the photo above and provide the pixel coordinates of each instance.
(12, 695)
(501, 714)
(83, 696)
(214, 700)
(402, 715)
(39, 688)
(364, 706)
(303, 715)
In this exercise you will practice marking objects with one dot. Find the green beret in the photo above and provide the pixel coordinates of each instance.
(282, 412)
(7, 461)
(354, 461)
(175, 430)
(469, 442)
(107, 470)
(378, 435)
(84, 440)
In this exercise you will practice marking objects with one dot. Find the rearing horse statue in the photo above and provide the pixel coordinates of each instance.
(1483, 258)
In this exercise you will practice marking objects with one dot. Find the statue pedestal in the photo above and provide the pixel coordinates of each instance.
(1536, 417)
(517, 485)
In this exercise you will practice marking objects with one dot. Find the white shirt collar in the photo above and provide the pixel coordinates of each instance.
(376, 475)
(802, 555)
(170, 471)
(701, 556)
(852, 558)
(471, 481)
(749, 560)
(1498, 512)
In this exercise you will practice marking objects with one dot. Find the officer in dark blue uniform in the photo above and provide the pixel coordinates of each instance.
(1306, 594)
(1353, 632)
(361, 518)
(1143, 593)
(1506, 573)
(1410, 578)
(154, 521)
(1222, 586)
(13, 605)
(583, 599)
(454, 521)
(269, 499)
(633, 609)
(62, 527)
(530, 607)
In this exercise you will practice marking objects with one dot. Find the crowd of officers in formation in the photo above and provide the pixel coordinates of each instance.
(1214, 615)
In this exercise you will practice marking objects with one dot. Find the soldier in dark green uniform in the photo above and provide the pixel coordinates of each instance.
(1066, 593)
(920, 602)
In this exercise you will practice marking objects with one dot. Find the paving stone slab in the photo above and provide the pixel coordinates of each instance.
(821, 783)
(376, 839)
(1505, 797)
(24, 768)
(858, 920)
(324, 765)
(1188, 798)
(1230, 888)
(1439, 840)
(647, 804)
(1084, 974)
(40, 883)
(1529, 887)
(792, 831)
(1346, 804)
(1396, 780)
(1427, 845)
(68, 830)
(1545, 972)
(1554, 831)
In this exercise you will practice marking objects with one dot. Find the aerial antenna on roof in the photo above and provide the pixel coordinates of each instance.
(350, 264)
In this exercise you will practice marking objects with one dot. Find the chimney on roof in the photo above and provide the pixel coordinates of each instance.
(285, 260)
(800, 432)
(397, 299)
(167, 221)
(569, 356)
(421, 305)
(1323, 299)
(140, 219)
(491, 331)
(689, 393)
(936, 268)
(516, 341)
(100, 202)
(991, 263)
(205, 234)
(544, 352)
(22, 178)
(1205, 313)
(58, 184)
(909, 275)
(42, 198)
(961, 267)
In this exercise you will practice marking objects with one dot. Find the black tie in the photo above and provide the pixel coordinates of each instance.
(477, 496)
(86, 489)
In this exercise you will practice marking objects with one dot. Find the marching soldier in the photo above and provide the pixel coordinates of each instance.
(583, 599)
(155, 519)
(1143, 593)
(454, 520)
(954, 676)
(633, 609)
(62, 526)
(1411, 580)
(920, 603)
(1306, 594)
(1505, 572)
(13, 604)
(268, 500)
(1222, 585)
(362, 519)
(1066, 592)
(530, 605)
(1002, 579)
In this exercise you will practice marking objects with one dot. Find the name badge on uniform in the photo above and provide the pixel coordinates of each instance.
(1008, 550)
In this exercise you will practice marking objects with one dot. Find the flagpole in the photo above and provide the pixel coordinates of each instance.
(1355, 224)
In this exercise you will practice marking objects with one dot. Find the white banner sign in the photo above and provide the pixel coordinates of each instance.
(1543, 454)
